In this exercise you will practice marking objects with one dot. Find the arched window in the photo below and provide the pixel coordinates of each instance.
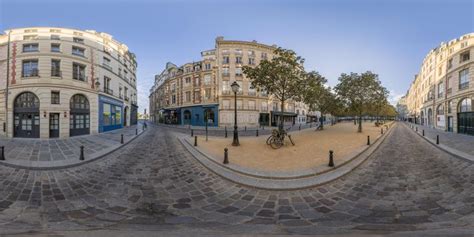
(79, 101)
(465, 105)
(27, 100)
(440, 109)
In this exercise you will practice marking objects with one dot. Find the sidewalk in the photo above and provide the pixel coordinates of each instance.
(61, 152)
(453, 142)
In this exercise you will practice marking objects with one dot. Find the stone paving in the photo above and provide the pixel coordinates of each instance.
(47, 151)
(153, 184)
(456, 141)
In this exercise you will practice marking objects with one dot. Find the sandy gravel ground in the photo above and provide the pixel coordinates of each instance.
(311, 148)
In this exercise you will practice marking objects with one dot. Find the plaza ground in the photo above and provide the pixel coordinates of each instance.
(311, 148)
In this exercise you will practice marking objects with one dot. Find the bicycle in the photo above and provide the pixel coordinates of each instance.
(277, 139)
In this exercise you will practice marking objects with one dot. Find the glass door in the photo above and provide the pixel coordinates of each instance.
(54, 125)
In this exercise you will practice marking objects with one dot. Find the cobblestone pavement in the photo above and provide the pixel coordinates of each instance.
(63, 148)
(456, 141)
(153, 184)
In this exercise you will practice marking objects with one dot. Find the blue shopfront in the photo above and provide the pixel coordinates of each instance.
(196, 115)
(110, 114)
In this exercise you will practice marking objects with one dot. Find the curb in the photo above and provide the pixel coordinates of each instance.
(73, 164)
(285, 183)
(456, 153)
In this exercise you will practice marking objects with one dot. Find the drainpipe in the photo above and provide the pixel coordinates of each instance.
(8, 82)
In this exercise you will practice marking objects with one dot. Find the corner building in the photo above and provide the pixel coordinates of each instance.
(442, 93)
(187, 94)
(57, 82)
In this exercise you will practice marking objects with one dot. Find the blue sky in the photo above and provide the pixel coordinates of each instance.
(390, 38)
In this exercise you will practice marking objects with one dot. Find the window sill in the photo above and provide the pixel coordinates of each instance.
(37, 51)
(32, 77)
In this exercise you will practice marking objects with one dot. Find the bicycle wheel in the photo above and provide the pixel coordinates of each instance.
(276, 143)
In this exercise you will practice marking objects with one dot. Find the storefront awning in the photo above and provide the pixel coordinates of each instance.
(284, 114)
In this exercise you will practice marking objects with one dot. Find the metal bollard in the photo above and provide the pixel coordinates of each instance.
(245, 128)
(256, 134)
(121, 138)
(225, 131)
(81, 157)
(437, 139)
(381, 130)
(423, 132)
(331, 159)
(368, 140)
(2, 154)
(226, 156)
(195, 140)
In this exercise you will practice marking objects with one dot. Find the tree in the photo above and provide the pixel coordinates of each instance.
(318, 96)
(358, 92)
(378, 100)
(282, 77)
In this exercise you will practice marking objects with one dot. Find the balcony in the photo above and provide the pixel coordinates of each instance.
(226, 92)
(126, 98)
(238, 74)
(79, 76)
(252, 93)
(30, 73)
(106, 66)
(109, 91)
(56, 73)
(225, 74)
(464, 85)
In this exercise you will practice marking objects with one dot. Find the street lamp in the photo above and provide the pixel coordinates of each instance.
(235, 88)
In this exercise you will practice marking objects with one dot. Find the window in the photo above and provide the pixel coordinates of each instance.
(225, 71)
(107, 86)
(225, 60)
(238, 51)
(55, 97)
(78, 40)
(264, 56)
(240, 87)
(238, 71)
(188, 69)
(207, 93)
(464, 79)
(450, 106)
(187, 96)
(251, 61)
(225, 86)
(55, 37)
(106, 63)
(30, 48)
(238, 60)
(465, 105)
(208, 66)
(207, 79)
(440, 71)
(79, 72)
(450, 63)
(30, 68)
(264, 106)
(226, 104)
(187, 80)
(463, 57)
(252, 105)
(173, 99)
(251, 53)
(55, 68)
(197, 96)
(56, 48)
(78, 51)
(440, 89)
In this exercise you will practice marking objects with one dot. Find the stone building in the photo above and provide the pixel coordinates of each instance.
(190, 93)
(57, 82)
(442, 92)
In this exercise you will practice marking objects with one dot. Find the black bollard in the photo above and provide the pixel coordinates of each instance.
(381, 130)
(226, 156)
(437, 139)
(81, 157)
(299, 128)
(245, 128)
(225, 128)
(368, 140)
(195, 140)
(331, 159)
(423, 132)
(2, 154)
(192, 132)
(121, 138)
(256, 133)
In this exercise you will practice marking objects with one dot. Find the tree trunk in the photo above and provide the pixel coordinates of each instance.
(360, 124)
(280, 125)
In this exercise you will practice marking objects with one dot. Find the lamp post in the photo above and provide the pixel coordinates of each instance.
(235, 88)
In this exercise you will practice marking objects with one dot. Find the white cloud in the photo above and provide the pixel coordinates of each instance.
(393, 97)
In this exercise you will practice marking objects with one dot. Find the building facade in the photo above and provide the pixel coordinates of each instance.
(58, 82)
(442, 93)
(200, 92)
